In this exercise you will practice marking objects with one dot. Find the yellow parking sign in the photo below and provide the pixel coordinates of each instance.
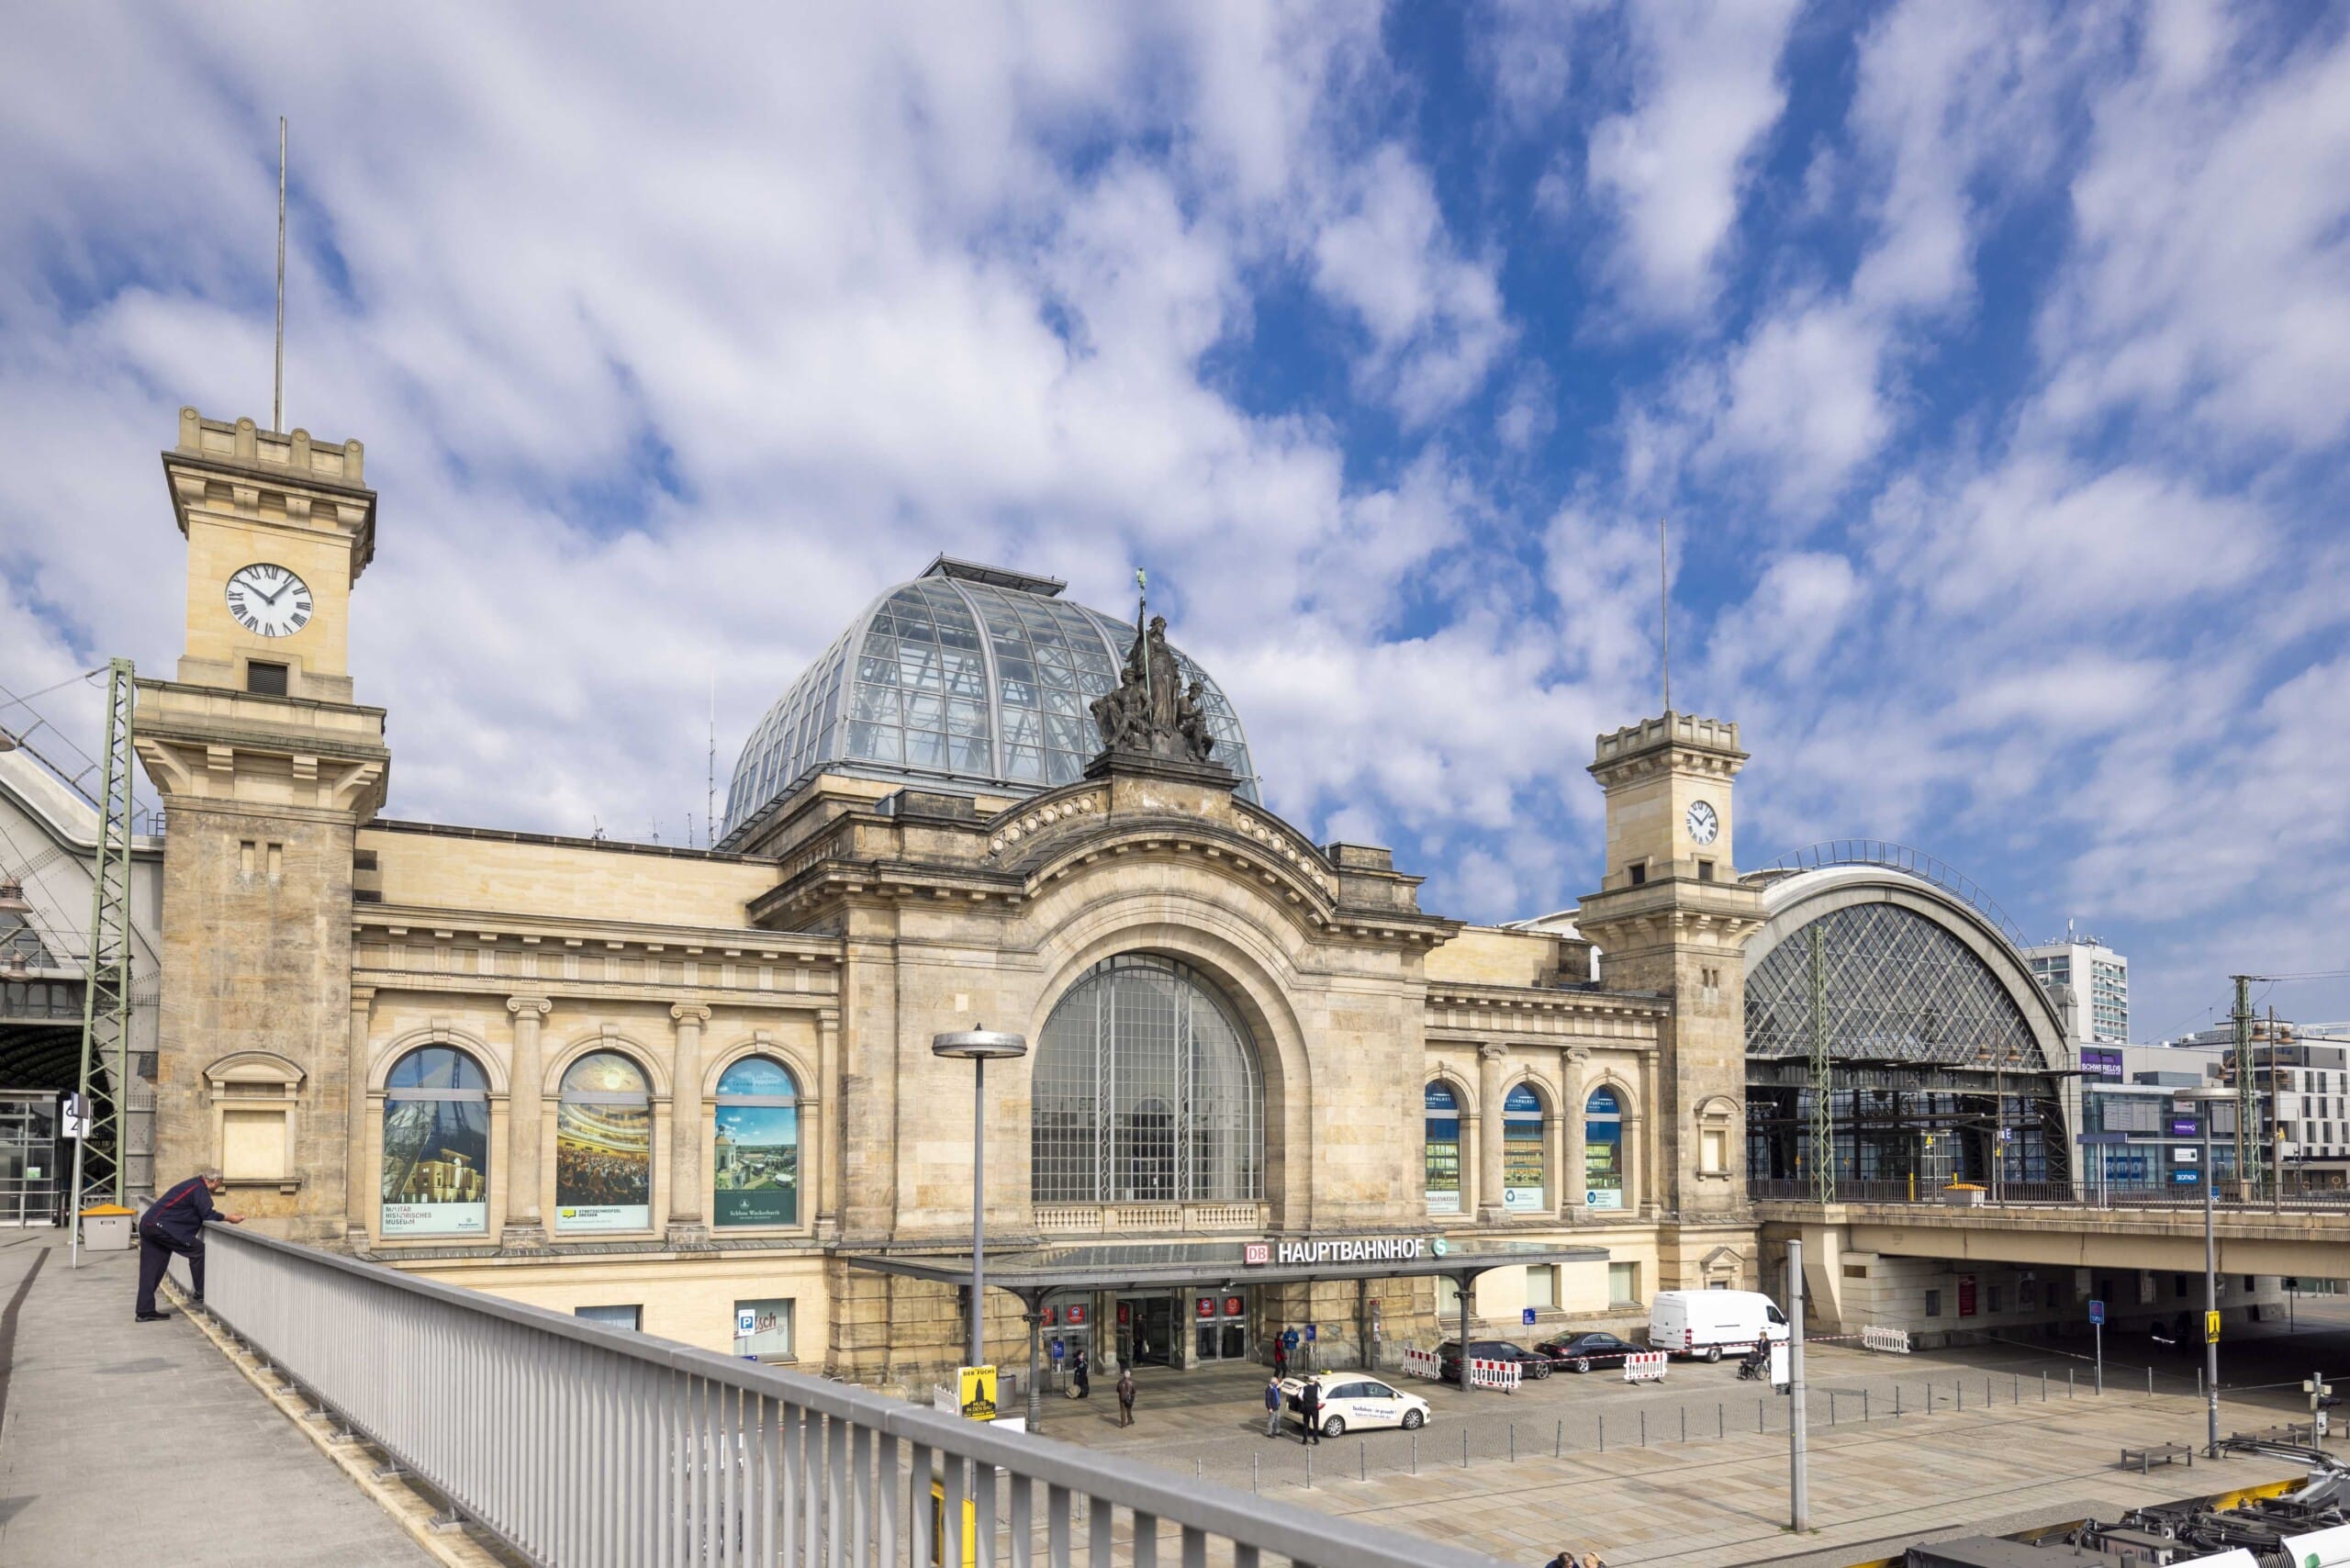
(977, 1394)
(2210, 1327)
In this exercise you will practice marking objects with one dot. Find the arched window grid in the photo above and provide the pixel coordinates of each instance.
(436, 1167)
(1146, 1089)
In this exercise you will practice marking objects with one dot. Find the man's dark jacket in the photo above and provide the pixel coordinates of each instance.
(179, 1214)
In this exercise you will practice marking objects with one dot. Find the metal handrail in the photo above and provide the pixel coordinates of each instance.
(573, 1442)
(2231, 1198)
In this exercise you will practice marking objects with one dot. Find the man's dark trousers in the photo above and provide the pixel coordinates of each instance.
(155, 1257)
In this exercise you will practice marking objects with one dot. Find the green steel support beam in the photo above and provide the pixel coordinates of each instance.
(102, 1161)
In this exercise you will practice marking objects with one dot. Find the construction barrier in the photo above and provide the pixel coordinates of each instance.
(1645, 1366)
(1493, 1374)
(1894, 1341)
(1420, 1363)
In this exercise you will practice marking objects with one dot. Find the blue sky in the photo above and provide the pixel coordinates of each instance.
(1992, 363)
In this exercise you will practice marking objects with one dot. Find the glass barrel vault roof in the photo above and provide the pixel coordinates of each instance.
(964, 677)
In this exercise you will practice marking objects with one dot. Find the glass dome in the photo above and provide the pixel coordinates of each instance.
(968, 677)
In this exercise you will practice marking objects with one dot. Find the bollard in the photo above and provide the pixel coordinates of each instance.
(2015, 1392)
(1721, 1422)
(1415, 1453)
(1513, 1442)
(1309, 1467)
(1603, 1431)
(1758, 1415)
(1464, 1447)
(1962, 1397)
(1865, 1407)
(1987, 1400)
(1684, 1423)
(2199, 1382)
(1558, 1440)
(1896, 1402)
(1195, 1469)
(1930, 1399)
(1362, 1461)
(2150, 1380)
(1252, 1470)
(2043, 1385)
(1831, 1407)
(2068, 1383)
(1644, 1429)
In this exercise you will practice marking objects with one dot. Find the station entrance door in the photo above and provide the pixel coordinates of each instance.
(30, 1179)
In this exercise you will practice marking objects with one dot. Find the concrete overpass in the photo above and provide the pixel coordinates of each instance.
(2057, 1254)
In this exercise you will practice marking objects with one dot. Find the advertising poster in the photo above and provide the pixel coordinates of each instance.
(603, 1157)
(755, 1165)
(1522, 1172)
(436, 1154)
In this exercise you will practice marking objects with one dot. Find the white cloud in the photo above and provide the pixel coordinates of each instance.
(1675, 166)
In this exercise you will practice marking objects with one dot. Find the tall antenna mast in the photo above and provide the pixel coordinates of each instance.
(278, 389)
(1142, 607)
(710, 792)
(1664, 611)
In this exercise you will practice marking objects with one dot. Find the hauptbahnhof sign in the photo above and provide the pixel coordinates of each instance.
(1345, 1249)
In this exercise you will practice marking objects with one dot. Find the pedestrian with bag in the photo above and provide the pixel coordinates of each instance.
(1273, 1405)
(1309, 1402)
(1125, 1396)
(1083, 1373)
(174, 1223)
(1281, 1356)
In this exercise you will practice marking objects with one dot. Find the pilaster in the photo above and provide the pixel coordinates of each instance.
(525, 1229)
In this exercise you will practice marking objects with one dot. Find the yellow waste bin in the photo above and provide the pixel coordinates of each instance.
(105, 1228)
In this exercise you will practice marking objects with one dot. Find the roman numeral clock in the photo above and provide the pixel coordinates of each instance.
(268, 600)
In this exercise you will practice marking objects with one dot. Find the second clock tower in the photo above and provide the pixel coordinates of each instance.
(266, 769)
(1671, 918)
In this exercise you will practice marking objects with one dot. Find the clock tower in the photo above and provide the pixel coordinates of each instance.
(1671, 918)
(266, 769)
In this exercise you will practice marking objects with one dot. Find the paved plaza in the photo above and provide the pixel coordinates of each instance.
(1523, 1475)
(125, 1442)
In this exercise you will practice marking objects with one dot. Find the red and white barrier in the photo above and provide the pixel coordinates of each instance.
(1420, 1363)
(1493, 1374)
(1645, 1366)
(1893, 1341)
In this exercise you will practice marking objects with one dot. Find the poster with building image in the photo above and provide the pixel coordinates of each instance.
(436, 1160)
(755, 1165)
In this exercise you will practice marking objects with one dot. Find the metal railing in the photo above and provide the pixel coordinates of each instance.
(2231, 1197)
(574, 1443)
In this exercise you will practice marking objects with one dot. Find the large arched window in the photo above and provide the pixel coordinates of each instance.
(1146, 1089)
(1522, 1162)
(603, 1146)
(1603, 1151)
(436, 1146)
(755, 1172)
(1444, 1148)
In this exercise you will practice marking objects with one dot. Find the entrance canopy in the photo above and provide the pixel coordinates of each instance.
(1032, 1272)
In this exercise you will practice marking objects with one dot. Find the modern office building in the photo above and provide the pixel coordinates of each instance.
(2091, 982)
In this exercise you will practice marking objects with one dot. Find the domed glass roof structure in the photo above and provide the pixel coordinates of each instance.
(970, 677)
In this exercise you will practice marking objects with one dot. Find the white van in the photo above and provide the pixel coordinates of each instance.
(1706, 1323)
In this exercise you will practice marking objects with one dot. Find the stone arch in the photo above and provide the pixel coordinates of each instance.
(759, 1043)
(607, 1037)
(438, 1033)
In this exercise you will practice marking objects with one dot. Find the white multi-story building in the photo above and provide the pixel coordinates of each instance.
(2302, 1074)
(2090, 983)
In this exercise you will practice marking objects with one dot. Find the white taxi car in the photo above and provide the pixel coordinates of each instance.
(1353, 1401)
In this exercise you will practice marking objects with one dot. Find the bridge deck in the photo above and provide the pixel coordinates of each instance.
(131, 1442)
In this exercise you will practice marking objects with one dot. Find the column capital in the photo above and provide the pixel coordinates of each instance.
(1489, 1052)
(540, 1005)
(690, 1013)
(363, 999)
(1579, 1055)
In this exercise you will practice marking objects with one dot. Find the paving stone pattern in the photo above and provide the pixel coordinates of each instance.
(139, 1442)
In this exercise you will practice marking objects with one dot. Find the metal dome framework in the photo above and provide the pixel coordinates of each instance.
(968, 677)
(1937, 1035)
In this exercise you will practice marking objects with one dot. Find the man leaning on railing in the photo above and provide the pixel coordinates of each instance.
(174, 1223)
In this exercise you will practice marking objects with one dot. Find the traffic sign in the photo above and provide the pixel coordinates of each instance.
(746, 1322)
(1526, 1316)
(1309, 1330)
(2210, 1327)
(2096, 1312)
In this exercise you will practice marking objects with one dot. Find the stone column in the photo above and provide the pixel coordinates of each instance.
(687, 1229)
(524, 1229)
(1490, 1059)
(819, 1104)
(1573, 1062)
(357, 1189)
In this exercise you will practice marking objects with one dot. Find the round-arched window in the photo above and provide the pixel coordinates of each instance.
(1443, 1111)
(603, 1145)
(436, 1146)
(1522, 1162)
(1603, 1151)
(755, 1168)
(1146, 1089)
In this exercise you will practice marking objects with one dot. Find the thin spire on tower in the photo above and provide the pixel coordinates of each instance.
(1664, 610)
(278, 387)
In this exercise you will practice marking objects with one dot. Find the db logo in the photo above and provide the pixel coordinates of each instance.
(1255, 1253)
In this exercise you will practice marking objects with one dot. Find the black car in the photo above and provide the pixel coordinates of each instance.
(1448, 1358)
(1581, 1352)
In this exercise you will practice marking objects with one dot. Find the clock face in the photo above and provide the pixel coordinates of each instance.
(1703, 824)
(269, 600)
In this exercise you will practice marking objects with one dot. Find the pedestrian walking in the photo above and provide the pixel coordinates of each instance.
(1083, 1373)
(1280, 1357)
(1125, 1396)
(1565, 1559)
(1591, 1559)
(1309, 1407)
(174, 1223)
(1273, 1405)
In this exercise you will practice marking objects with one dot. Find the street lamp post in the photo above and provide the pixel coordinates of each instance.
(2205, 1098)
(977, 1046)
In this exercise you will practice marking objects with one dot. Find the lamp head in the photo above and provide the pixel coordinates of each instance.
(978, 1044)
